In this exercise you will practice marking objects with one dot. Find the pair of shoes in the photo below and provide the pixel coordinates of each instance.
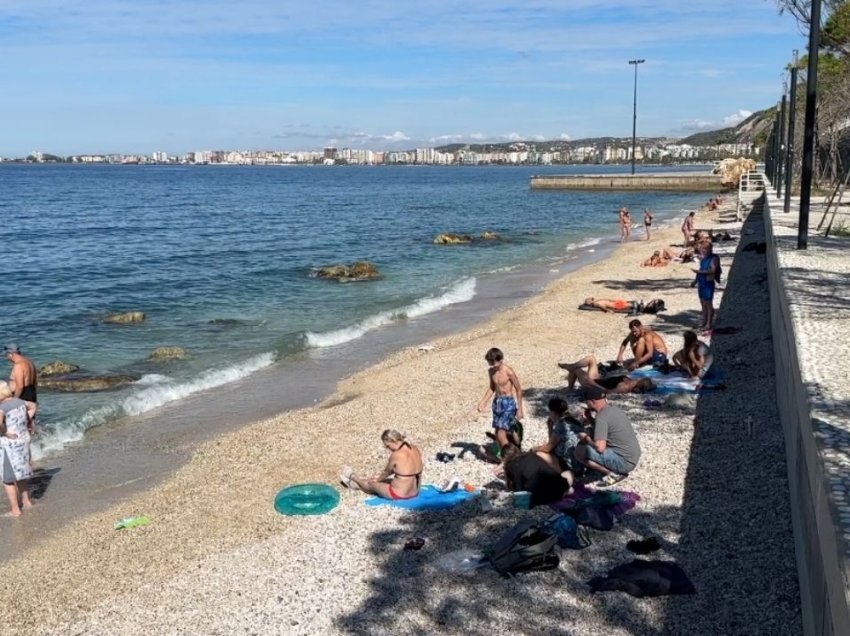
(451, 485)
(609, 480)
(445, 457)
(415, 543)
(345, 478)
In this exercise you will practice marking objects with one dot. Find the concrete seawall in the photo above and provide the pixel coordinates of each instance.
(810, 321)
(673, 181)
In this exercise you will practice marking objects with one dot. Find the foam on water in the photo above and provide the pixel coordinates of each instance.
(460, 292)
(150, 392)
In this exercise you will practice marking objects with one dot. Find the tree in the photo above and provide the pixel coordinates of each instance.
(802, 10)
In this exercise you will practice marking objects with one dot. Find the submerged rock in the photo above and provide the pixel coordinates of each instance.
(490, 236)
(450, 238)
(168, 353)
(357, 271)
(86, 383)
(57, 367)
(126, 318)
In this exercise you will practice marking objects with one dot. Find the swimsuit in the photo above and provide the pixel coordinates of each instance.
(621, 304)
(394, 494)
(659, 359)
(504, 412)
(29, 393)
(705, 282)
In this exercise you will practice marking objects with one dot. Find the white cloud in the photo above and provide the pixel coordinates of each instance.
(513, 136)
(396, 136)
(736, 118)
(564, 136)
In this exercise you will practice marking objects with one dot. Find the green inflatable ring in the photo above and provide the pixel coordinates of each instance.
(306, 499)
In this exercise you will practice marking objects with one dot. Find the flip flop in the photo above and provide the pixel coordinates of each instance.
(345, 478)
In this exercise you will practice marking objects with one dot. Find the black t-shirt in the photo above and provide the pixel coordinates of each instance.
(529, 472)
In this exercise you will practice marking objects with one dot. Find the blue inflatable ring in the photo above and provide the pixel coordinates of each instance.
(306, 499)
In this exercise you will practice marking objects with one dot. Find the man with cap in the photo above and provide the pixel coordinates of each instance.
(24, 377)
(612, 447)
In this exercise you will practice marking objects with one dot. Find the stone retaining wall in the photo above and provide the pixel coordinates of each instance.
(817, 479)
(684, 182)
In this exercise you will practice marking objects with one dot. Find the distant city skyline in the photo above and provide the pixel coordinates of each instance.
(109, 76)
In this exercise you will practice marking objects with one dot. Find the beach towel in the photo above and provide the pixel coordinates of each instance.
(430, 498)
(617, 502)
(678, 381)
(584, 307)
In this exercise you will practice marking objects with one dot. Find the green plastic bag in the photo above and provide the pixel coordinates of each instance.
(131, 522)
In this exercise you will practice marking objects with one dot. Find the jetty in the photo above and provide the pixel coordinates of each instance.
(671, 181)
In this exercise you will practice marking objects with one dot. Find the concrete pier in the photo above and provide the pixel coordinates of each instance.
(671, 181)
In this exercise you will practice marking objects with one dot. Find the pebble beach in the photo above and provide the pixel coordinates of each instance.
(218, 559)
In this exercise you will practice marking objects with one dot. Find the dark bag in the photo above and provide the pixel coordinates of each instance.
(569, 533)
(718, 271)
(527, 547)
(654, 306)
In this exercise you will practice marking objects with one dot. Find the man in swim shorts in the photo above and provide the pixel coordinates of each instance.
(648, 347)
(504, 387)
(586, 372)
(24, 377)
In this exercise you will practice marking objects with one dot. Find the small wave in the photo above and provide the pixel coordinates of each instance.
(586, 243)
(154, 390)
(460, 292)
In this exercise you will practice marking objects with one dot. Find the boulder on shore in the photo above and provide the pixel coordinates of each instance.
(450, 238)
(86, 383)
(357, 271)
(168, 353)
(57, 367)
(126, 318)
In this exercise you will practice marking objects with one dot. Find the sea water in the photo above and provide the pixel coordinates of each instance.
(219, 258)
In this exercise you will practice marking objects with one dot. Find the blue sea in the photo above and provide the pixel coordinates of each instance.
(220, 260)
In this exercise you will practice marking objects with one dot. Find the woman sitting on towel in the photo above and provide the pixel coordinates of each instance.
(695, 358)
(610, 306)
(401, 477)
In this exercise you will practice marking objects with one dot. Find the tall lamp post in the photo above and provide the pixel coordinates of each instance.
(634, 118)
(809, 128)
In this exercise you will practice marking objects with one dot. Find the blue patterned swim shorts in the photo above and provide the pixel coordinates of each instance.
(504, 413)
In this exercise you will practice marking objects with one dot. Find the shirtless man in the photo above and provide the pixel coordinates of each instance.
(647, 346)
(625, 224)
(586, 371)
(688, 228)
(24, 377)
(610, 306)
(506, 391)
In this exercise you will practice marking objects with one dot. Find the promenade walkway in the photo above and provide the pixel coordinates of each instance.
(810, 316)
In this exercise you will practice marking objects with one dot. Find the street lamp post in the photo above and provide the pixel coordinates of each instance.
(634, 117)
(809, 128)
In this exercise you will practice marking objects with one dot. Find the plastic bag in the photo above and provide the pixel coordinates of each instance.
(462, 561)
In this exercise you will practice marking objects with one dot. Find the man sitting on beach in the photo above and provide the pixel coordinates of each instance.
(586, 372)
(610, 306)
(648, 347)
(612, 447)
(504, 387)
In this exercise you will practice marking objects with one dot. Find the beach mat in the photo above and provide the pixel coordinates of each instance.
(584, 307)
(679, 382)
(430, 498)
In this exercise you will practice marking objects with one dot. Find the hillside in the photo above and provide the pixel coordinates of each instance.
(754, 129)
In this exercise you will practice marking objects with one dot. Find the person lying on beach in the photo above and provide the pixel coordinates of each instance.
(659, 258)
(559, 449)
(647, 347)
(611, 448)
(610, 306)
(402, 476)
(695, 357)
(529, 472)
(505, 389)
(586, 372)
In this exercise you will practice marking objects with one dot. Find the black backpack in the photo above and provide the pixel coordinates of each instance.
(654, 306)
(526, 547)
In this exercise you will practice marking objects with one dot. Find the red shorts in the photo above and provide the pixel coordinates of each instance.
(395, 495)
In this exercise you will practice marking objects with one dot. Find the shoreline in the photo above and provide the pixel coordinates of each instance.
(213, 518)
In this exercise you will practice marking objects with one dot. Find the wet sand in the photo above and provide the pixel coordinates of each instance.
(218, 559)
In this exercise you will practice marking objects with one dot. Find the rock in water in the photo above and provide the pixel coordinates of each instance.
(490, 236)
(86, 383)
(357, 271)
(168, 353)
(57, 367)
(449, 238)
(126, 318)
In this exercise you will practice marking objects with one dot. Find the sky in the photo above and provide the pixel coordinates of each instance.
(103, 76)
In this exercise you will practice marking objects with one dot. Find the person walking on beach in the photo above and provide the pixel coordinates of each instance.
(688, 228)
(402, 476)
(612, 447)
(648, 347)
(506, 391)
(647, 221)
(707, 275)
(16, 422)
(24, 377)
(625, 224)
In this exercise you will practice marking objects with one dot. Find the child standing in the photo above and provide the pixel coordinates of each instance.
(506, 391)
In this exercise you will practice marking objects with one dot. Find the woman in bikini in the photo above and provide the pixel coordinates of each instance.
(402, 476)
(647, 221)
